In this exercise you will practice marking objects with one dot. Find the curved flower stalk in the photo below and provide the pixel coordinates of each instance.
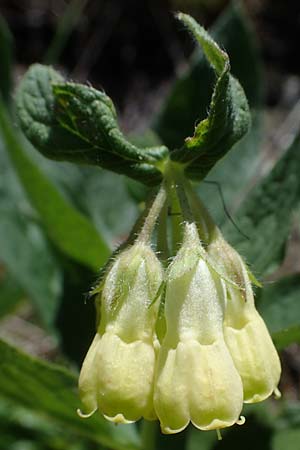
(246, 334)
(117, 374)
(196, 379)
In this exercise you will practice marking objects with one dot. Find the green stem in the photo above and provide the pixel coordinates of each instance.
(174, 207)
(149, 432)
(154, 212)
(183, 200)
(206, 226)
(162, 235)
(141, 231)
(176, 219)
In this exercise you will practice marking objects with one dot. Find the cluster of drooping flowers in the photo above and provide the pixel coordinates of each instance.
(179, 339)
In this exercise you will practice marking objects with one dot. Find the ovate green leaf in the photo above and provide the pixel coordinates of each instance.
(189, 99)
(190, 94)
(74, 122)
(228, 119)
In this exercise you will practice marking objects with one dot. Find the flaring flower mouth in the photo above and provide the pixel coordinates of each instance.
(255, 357)
(193, 354)
(117, 374)
(184, 346)
(118, 419)
(85, 415)
(216, 424)
(202, 398)
(247, 337)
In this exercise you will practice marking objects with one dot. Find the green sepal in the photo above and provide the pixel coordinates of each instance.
(77, 123)
(160, 292)
(228, 118)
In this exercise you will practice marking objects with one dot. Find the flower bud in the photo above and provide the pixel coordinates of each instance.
(246, 334)
(117, 374)
(196, 379)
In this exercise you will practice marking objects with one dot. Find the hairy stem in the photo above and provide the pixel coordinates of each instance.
(162, 235)
(154, 211)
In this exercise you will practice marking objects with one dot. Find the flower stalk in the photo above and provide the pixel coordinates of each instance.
(179, 339)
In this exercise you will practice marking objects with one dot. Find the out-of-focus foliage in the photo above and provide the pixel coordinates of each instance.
(52, 390)
(266, 213)
(72, 233)
(279, 304)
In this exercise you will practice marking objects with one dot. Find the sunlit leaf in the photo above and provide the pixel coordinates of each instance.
(75, 122)
(228, 118)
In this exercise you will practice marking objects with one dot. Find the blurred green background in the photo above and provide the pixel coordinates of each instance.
(138, 53)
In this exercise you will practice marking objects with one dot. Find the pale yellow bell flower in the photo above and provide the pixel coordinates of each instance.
(246, 334)
(117, 374)
(196, 379)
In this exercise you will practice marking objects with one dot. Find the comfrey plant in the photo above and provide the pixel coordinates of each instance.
(178, 337)
(181, 344)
